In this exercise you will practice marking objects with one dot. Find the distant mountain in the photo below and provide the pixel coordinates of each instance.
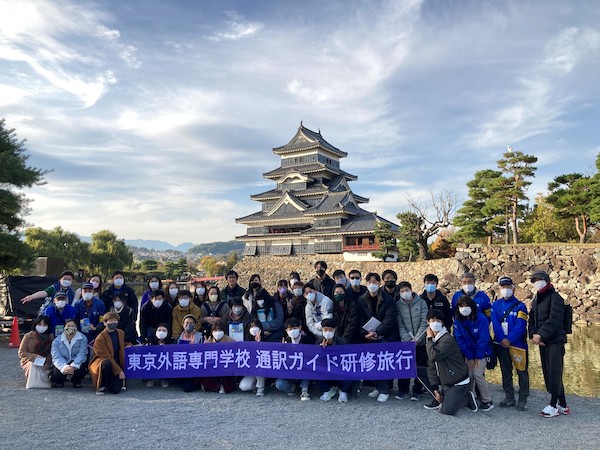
(151, 244)
(218, 248)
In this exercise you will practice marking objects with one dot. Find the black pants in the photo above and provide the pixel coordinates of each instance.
(189, 384)
(111, 382)
(552, 356)
(455, 398)
(404, 384)
(57, 377)
(506, 366)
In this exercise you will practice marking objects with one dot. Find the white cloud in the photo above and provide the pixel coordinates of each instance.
(236, 29)
(570, 47)
(10, 94)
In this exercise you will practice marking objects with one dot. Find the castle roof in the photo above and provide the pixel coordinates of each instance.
(306, 139)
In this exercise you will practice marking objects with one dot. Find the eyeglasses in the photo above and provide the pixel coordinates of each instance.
(355, 278)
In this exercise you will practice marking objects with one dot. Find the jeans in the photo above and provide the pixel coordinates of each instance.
(287, 386)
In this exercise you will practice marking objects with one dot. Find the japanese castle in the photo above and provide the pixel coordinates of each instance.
(312, 210)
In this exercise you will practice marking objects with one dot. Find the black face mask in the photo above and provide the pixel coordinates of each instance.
(255, 285)
(321, 272)
(390, 284)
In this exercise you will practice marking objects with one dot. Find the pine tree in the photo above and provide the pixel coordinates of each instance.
(572, 195)
(386, 238)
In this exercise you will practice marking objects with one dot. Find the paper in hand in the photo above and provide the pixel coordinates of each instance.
(371, 325)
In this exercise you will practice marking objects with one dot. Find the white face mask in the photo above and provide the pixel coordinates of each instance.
(540, 284)
(328, 334)
(293, 333)
(65, 283)
(311, 296)
(298, 292)
(218, 335)
(161, 334)
(406, 295)
(157, 303)
(465, 310)
(200, 291)
(118, 305)
(184, 302)
(87, 296)
(373, 287)
(118, 282)
(468, 288)
(173, 292)
(153, 285)
(260, 303)
(41, 328)
(436, 326)
(60, 304)
(254, 331)
(355, 282)
(95, 284)
(237, 310)
(213, 298)
(506, 292)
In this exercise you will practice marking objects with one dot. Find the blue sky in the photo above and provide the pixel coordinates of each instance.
(158, 117)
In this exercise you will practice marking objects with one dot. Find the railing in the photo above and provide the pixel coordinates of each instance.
(362, 247)
(328, 247)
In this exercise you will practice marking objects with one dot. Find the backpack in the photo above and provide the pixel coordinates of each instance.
(568, 319)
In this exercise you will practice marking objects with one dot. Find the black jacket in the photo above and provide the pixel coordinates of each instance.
(445, 362)
(440, 302)
(546, 317)
(126, 323)
(347, 321)
(152, 317)
(337, 340)
(385, 312)
(351, 294)
(324, 286)
(126, 294)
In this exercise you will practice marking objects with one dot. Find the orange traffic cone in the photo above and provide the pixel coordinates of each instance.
(15, 340)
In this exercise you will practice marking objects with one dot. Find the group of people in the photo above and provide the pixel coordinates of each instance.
(454, 338)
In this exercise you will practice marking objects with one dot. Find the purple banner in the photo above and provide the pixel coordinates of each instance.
(382, 361)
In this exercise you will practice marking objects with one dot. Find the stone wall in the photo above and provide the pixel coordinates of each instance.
(573, 269)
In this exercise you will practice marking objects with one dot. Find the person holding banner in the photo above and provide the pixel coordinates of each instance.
(249, 383)
(106, 368)
(330, 388)
(447, 371)
(222, 385)
(190, 335)
(293, 329)
(509, 321)
(378, 318)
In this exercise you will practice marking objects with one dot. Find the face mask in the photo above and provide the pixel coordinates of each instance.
(354, 282)
(213, 298)
(311, 296)
(254, 331)
(342, 280)
(468, 288)
(118, 305)
(87, 296)
(372, 287)
(41, 328)
(237, 310)
(406, 295)
(328, 334)
(339, 297)
(112, 326)
(157, 303)
(161, 334)
(200, 291)
(153, 285)
(390, 284)
(218, 335)
(61, 304)
(173, 292)
(70, 331)
(184, 302)
(436, 326)
(540, 284)
(429, 287)
(65, 283)
(298, 292)
(260, 303)
(255, 285)
(118, 282)
(506, 292)
(189, 327)
(95, 284)
(293, 333)
(465, 311)
(282, 291)
(293, 281)
(321, 272)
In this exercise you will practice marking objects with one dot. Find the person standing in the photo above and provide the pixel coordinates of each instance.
(435, 299)
(546, 331)
(322, 282)
(119, 289)
(481, 299)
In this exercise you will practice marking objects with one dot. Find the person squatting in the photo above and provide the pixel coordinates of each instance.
(86, 331)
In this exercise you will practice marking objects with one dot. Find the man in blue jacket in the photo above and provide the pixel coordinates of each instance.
(509, 320)
(59, 312)
(481, 299)
(89, 312)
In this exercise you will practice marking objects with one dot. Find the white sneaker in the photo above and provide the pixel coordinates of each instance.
(305, 396)
(221, 390)
(164, 383)
(328, 395)
(260, 392)
(343, 397)
(374, 393)
(382, 398)
(550, 411)
(150, 383)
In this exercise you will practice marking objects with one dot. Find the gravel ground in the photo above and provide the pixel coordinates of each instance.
(169, 418)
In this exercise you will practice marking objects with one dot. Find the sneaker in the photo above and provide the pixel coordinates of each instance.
(260, 392)
(382, 398)
(487, 406)
(433, 405)
(401, 395)
(150, 383)
(101, 391)
(164, 383)
(328, 395)
(374, 393)
(471, 402)
(522, 405)
(343, 397)
(549, 411)
(564, 410)
(221, 390)
(415, 397)
(305, 396)
(507, 402)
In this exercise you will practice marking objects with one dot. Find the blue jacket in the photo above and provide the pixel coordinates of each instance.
(473, 337)
(516, 319)
(59, 318)
(480, 298)
(74, 352)
(94, 313)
